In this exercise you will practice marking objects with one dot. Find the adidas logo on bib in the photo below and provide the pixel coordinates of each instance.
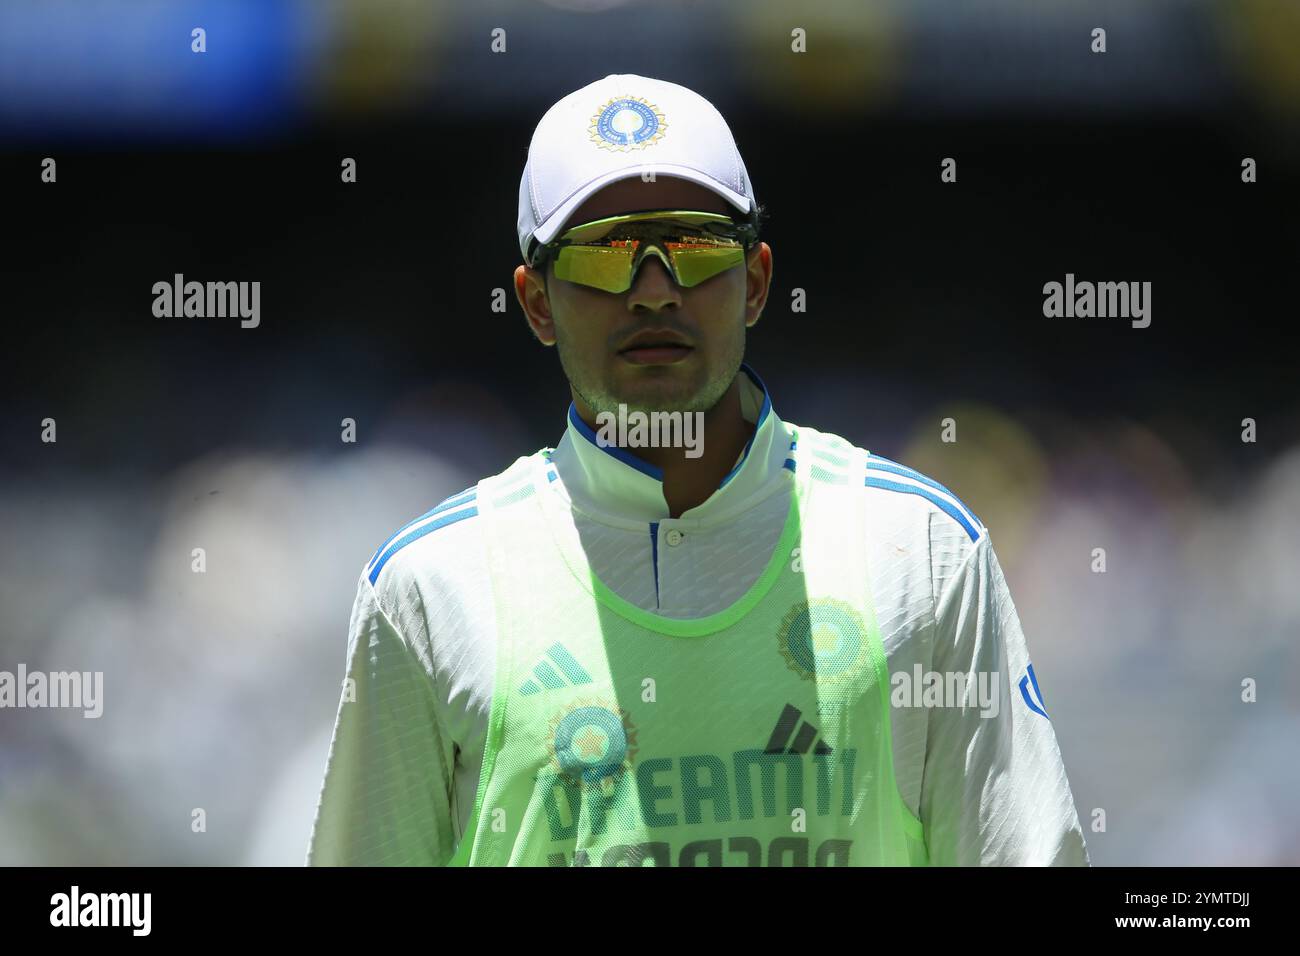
(557, 669)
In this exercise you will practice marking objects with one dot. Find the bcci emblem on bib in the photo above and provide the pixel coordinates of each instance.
(627, 123)
(592, 744)
(824, 640)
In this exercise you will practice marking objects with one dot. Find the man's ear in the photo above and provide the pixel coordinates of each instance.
(758, 281)
(535, 300)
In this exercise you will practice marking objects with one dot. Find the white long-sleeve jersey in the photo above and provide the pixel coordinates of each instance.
(983, 774)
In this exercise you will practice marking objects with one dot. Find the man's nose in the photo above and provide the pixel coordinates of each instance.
(653, 286)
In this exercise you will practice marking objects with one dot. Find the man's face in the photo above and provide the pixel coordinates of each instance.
(592, 328)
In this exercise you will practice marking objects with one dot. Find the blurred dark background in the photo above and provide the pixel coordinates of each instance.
(924, 300)
(916, 289)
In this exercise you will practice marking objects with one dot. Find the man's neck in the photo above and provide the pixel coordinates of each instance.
(689, 482)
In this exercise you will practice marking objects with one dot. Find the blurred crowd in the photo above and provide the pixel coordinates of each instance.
(221, 686)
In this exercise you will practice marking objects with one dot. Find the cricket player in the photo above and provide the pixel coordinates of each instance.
(692, 633)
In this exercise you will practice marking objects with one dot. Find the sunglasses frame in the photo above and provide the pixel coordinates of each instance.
(744, 230)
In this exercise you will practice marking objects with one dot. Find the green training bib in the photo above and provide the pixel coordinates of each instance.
(756, 736)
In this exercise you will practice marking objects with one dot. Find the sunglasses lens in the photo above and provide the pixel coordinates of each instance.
(698, 259)
(605, 267)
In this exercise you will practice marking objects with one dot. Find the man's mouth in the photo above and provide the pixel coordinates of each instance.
(656, 347)
(665, 353)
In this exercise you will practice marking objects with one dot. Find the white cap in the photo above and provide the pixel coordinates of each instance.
(617, 128)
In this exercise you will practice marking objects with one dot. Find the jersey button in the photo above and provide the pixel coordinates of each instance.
(673, 537)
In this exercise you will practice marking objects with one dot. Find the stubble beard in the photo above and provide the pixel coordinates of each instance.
(599, 397)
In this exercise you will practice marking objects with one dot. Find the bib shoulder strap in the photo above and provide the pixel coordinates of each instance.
(826, 458)
(496, 490)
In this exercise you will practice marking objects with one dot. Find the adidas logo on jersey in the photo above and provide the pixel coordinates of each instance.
(803, 738)
(557, 668)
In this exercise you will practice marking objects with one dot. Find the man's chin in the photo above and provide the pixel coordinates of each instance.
(662, 394)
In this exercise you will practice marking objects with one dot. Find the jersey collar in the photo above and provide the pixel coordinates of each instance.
(615, 483)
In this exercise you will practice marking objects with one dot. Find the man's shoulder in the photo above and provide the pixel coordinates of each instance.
(441, 540)
(421, 541)
(895, 485)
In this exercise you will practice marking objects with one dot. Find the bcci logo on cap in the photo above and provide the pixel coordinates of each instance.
(627, 123)
(593, 743)
(824, 640)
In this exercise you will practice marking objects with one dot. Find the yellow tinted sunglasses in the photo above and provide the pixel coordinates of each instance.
(605, 254)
